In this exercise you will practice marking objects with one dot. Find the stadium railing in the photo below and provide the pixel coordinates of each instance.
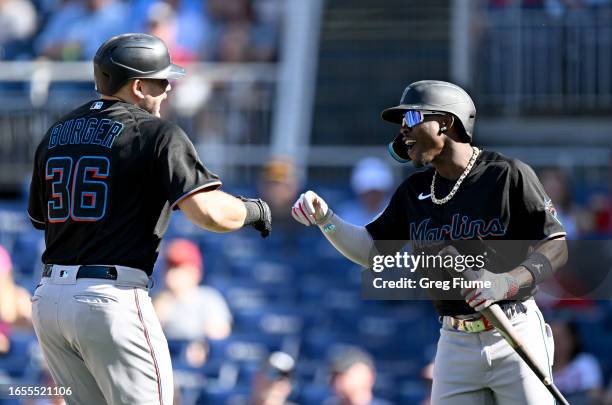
(218, 105)
(530, 61)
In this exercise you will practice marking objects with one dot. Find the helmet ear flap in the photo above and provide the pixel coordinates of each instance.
(397, 150)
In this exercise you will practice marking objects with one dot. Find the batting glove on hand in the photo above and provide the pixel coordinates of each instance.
(310, 209)
(501, 287)
(258, 215)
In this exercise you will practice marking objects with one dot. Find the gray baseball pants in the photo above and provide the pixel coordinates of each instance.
(481, 368)
(102, 338)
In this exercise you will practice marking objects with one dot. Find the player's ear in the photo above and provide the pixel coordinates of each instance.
(137, 89)
(446, 122)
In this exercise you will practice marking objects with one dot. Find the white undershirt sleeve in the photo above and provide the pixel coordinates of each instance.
(354, 242)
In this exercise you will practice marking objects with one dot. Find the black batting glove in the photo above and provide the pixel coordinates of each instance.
(258, 215)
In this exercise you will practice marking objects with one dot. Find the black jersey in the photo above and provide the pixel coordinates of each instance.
(500, 199)
(106, 178)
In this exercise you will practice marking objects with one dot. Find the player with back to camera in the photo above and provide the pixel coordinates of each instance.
(106, 178)
(474, 364)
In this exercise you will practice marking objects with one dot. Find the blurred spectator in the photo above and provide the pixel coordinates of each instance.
(182, 24)
(353, 377)
(272, 383)
(278, 185)
(15, 306)
(50, 42)
(232, 31)
(78, 28)
(269, 11)
(577, 374)
(240, 32)
(163, 23)
(230, 11)
(556, 185)
(233, 45)
(186, 309)
(17, 24)
(371, 181)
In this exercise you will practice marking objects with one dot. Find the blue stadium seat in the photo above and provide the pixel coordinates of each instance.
(220, 396)
(241, 295)
(266, 271)
(244, 348)
(269, 320)
(26, 254)
(314, 394)
(317, 343)
(244, 294)
(246, 373)
(306, 370)
(412, 392)
(177, 348)
(401, 369)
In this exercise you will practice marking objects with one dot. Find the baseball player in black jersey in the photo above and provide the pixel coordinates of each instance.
(106, 178)
(466, 194)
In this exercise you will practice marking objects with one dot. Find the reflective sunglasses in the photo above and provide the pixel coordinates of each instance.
(414, 117)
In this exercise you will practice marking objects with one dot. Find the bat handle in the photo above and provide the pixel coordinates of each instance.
(552, 388)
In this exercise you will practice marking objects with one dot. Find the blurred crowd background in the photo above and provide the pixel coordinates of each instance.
(283, 96)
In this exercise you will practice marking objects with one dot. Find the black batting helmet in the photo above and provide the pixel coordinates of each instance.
(132, 56)
(433, 95)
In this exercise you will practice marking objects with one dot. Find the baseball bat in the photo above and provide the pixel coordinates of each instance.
(496, 317)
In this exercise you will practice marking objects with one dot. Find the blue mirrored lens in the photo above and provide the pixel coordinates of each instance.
(413, 117)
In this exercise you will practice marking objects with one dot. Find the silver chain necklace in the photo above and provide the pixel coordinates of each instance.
(475, 153)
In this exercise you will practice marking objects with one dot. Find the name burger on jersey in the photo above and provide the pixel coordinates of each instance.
(86, 197)
(85, 131)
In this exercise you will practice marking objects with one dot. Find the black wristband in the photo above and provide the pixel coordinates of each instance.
(254, 212)
(539, 266)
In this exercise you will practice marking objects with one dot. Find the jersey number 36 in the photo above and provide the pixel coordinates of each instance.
(78, 191)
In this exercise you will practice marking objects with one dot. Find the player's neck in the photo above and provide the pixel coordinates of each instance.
(453, 160)
(112, 98)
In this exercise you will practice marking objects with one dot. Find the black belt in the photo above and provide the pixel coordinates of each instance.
(87, 271)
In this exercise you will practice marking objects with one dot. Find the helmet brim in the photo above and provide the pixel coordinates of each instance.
(172, 72)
